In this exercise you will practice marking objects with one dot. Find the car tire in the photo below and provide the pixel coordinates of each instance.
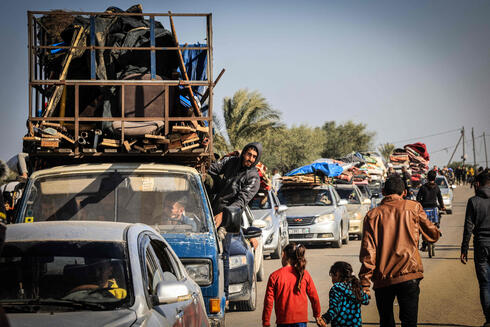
(337, 244)
(260, 273)
(251, 304)
(345, 241)
(277, 254)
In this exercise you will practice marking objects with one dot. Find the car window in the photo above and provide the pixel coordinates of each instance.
(349, 194)
(305, 197)
(167, 263)
(74, 270)
(441, 182)
(172, 202)
(260, 201)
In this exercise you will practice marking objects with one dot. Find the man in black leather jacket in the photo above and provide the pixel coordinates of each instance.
(233, 182)
(477, 221)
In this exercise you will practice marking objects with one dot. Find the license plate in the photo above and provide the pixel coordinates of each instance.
(299, 230)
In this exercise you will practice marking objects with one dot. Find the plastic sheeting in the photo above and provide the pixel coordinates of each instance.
(325, 168)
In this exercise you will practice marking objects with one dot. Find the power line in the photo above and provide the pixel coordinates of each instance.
(426, 136)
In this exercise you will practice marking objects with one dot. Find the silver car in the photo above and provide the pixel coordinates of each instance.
(270, 216)
(315, 215)
(357, 207)
(81, 273)
(446, 192)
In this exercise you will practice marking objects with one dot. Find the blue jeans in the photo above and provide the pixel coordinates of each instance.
(482, 267)
(298, 324)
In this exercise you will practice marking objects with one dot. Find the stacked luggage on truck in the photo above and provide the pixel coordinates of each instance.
(118, 83)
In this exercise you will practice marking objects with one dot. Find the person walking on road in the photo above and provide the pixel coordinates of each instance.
(288, 290)
(389, 253)
(477, 221)
(345, 297)
(233, 182)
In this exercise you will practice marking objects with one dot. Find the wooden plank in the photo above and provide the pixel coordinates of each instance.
(189, 138)
(139, 148)
(149, 147)
(175, 145)
(110, 145)
(64, 137)
(50, 143)
(31, 138)
(155, 137)
(183, 129)
(203, 129)
(191, 146)
(111, 141)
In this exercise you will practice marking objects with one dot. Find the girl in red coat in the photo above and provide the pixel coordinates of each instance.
(289, 288)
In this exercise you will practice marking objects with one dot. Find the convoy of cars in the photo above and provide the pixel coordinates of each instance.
(81, 273)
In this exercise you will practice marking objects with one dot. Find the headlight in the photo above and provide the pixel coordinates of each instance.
(356, 216)
(238, 261)
(268, 221)
(201, 273)
(324, 218)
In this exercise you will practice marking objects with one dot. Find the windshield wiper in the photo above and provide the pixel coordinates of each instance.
(70, 303)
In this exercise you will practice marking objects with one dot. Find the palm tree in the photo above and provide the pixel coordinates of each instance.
(246, 116)
(386, 150)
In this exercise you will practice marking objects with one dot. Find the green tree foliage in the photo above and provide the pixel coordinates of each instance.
(289, 148)
(246, 116)
(386, 150)
(343, 139)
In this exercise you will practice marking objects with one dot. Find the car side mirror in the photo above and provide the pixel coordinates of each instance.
(343, 202)
(172, 292)
(252, 232)
(282, 208)
(259, 223)
(366, 201)
(232, 219)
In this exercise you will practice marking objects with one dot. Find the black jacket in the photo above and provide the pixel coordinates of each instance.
(477, 220)
(233, 184)
(429, 195)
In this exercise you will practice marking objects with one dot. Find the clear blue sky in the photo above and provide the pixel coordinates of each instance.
(404, 68)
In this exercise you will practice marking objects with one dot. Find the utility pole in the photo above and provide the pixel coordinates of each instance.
(473, 139)
(485, 145)
(455, 148)
(464, 152)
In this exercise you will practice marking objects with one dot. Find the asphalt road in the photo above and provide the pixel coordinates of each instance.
(449, 291)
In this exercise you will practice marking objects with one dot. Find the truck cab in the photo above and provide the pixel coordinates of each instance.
(137, 193)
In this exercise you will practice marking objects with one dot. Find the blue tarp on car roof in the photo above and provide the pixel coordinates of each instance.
(325, 168)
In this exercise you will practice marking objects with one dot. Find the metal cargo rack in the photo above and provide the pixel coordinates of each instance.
(70, 128)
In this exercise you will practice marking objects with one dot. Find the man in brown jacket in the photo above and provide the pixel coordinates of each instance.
(389, 253)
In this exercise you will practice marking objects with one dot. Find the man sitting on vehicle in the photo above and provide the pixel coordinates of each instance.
(174, 212)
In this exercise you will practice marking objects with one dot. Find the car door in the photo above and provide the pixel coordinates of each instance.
(190, 312)
(280, 215)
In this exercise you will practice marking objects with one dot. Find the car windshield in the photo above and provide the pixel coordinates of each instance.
(349, 194)
(365, 190)
(260, 201)
(63, 275)
(441, 182)
(171, 202)
(305, 197)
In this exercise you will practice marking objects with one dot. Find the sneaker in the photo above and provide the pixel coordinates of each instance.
(424, 248)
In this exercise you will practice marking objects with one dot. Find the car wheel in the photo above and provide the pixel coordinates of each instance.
(346, 239)
(277, 254)
(338, 242)
(251, 304)
(260, 273)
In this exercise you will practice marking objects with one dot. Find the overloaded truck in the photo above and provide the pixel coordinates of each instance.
(120, 125)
